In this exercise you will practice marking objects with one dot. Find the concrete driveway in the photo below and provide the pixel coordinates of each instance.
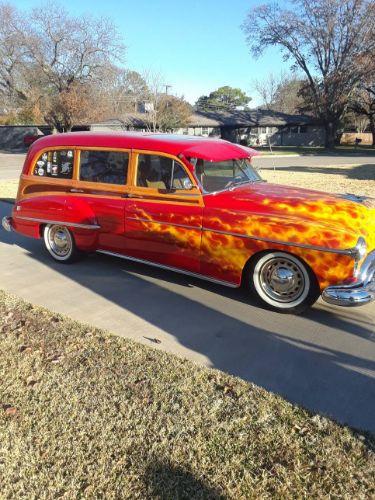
(324, 360)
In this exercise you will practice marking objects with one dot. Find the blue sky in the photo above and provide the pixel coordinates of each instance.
(197, 46)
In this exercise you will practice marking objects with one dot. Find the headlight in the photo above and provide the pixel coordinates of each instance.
(360, 249)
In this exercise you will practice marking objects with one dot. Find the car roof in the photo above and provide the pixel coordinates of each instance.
(188, 146)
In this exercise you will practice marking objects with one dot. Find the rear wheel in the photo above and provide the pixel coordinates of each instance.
(282, 282)
(59, 243)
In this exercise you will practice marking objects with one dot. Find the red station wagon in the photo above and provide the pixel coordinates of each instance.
(195, 206)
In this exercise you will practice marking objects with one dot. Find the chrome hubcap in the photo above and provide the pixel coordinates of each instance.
(59, 241)
(282, 280)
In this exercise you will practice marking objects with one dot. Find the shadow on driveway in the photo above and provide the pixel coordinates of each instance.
(323, 360)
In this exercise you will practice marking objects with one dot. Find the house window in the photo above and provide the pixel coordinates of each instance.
(109, 167)
(205, 131)
(303, 129)
(294, 130)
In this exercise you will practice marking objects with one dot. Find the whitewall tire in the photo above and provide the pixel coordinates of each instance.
(282, 282)
(59, 243)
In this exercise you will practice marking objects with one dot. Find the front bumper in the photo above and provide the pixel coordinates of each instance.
(7, 223)
(356, 294)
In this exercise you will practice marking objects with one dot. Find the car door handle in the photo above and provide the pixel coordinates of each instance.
(131, 195)
(74, 190)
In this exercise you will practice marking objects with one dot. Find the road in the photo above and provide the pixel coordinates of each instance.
(11, 164)
(323, 360)
(312, 161)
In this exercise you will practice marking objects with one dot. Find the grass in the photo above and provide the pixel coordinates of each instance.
(87, 415)
(355, 179)
(8, 190)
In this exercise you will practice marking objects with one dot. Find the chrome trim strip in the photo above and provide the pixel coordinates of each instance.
(61, 223)
(350, 251)
(169, 268)
(164, 223)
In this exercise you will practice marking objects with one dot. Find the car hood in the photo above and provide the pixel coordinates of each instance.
(292, 205)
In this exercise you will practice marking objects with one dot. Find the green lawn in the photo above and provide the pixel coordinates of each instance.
(87, 415)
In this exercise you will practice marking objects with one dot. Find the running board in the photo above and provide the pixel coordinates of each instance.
(169, 268)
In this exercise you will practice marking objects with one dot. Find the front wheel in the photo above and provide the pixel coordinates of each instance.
(282, 282)
(59, 243)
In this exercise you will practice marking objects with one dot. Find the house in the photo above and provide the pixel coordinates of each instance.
(257, 127)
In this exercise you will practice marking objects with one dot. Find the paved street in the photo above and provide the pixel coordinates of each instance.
(312, 161)
(324, 360)
(10, 165)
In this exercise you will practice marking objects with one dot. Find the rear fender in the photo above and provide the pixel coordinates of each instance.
(31, 214)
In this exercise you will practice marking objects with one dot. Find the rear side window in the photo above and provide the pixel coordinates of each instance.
(109, 167)
(57, 164)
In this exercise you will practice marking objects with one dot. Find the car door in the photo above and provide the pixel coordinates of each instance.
(163, 217)
(102, 184)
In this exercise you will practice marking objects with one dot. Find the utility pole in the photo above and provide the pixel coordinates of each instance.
(166, 88)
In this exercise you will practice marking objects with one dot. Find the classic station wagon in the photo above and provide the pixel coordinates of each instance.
(196, 206)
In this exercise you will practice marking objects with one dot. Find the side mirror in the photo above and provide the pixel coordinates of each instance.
(187, 184)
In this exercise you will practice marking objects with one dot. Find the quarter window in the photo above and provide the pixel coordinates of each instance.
(160, 172)
(109, 167)
(57, 164)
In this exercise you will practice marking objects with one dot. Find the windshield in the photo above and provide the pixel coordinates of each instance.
(218, 175)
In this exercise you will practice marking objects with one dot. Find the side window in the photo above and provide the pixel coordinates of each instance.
(109, 167)
(57, 164)
(160, 172)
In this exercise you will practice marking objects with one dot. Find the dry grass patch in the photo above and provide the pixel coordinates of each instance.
(86, 414)
(356, 179)
(8, 190)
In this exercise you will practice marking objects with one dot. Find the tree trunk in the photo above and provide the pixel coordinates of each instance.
(330, 134)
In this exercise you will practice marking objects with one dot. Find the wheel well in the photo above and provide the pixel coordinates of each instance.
(256, 255)
(250, 261)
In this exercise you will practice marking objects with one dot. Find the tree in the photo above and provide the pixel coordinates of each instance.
(121, 90)
(77, 104)
(280, 93)
(51, 55)
(12, 57)
(223, 99)
(363, 104)
(289, 96)
(326, 40)
(173, 112)
(266, 89)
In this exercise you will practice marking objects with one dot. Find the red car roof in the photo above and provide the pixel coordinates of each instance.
(189, 146)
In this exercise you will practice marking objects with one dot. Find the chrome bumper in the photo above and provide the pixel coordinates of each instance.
(7, 223)
(356, 294)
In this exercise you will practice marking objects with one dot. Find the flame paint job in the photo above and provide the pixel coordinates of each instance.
(211, 234)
